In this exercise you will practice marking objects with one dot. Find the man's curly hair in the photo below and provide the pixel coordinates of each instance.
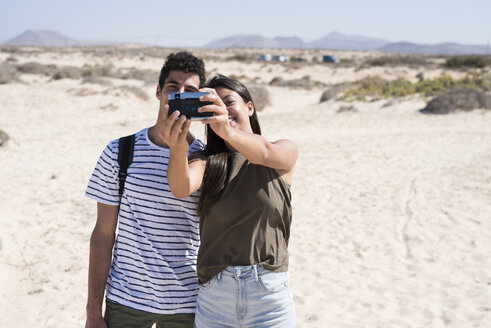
(185, 62)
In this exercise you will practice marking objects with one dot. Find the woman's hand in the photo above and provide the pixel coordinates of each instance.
(219, 122)
(174, 129)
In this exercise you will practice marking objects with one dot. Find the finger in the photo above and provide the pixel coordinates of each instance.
(174, 115)
(218, 110)
(214, 119)
(165, 110)
(170, 120)
(185, 130)
(213, 91)
(178, 126)
(214, 98)
(164, 122)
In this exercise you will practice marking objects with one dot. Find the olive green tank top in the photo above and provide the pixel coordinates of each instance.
(249, 224)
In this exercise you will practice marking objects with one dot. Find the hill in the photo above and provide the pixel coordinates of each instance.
(338, 41)
(43, 38)
(256, 41)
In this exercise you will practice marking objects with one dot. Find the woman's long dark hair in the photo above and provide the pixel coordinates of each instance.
(216, 152)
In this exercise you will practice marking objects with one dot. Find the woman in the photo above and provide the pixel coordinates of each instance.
(244, 208)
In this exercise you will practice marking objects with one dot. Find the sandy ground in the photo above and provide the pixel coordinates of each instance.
(392, 208)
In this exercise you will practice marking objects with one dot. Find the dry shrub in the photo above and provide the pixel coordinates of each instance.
(37, 68)
(390, 103)
(303, 83)
(239, 57)
(347, 108)
(4, 137)
(106, 70)
(83, 92)
(68, 72)
(300, 83)
(96, 80)
(146, 75)
(458, 99)
(467, 61)
(110, 107)
(260, 96)
(8, 73)
(238, 77)
(139, 93)
(376, 88)
(398, 61)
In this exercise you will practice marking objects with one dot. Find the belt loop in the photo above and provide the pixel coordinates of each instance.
(255, 272)
(219, 275)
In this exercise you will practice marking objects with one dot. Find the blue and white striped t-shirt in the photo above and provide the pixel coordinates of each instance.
(155, 253)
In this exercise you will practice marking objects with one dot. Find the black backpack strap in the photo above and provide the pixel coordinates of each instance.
(125, 157)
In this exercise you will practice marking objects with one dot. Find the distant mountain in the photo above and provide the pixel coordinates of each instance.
(43, 38)
(338, 41)
(256, 41)
(290, 42)
(335, 41)
(441, 48)
(332, 41)
(241, 41)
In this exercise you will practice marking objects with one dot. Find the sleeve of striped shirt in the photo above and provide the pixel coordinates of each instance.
(198, 145)
(104, 184)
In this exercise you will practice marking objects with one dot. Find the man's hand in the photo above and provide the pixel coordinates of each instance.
(174, 130)
(95, 322)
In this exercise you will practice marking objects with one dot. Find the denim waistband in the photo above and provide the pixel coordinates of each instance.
(240, 272)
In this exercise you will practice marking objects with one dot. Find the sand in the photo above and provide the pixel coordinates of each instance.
(392, 208)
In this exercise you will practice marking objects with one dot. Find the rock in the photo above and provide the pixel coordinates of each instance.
(4, 137)
(345, 109)
(276, 81)
(329, 94)
(8, 73)
(458, 100)
(260, 96)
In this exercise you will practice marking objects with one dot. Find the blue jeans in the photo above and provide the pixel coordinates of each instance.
(246, 297)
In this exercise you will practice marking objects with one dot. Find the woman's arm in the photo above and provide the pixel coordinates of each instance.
(281, 155)
(184, 178)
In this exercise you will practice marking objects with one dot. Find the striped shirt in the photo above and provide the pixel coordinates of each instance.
(155, 253)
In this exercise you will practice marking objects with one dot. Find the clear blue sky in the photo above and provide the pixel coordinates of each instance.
(193, 23)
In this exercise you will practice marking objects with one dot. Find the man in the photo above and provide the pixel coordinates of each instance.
(151, 278)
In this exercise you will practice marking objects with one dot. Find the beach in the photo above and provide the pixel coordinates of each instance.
(391, 207)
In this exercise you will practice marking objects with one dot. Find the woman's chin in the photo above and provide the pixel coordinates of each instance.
(233, 123)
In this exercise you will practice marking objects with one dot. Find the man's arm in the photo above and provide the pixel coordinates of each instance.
(101, 247)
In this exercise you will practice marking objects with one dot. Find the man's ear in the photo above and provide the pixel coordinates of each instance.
(250, 108)
(158, 92)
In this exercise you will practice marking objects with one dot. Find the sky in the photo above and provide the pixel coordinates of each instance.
(191, 23)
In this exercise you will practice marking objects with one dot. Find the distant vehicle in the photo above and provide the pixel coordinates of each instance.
(298, 59)
(330, 59)
(281, 58)
(265, 57)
